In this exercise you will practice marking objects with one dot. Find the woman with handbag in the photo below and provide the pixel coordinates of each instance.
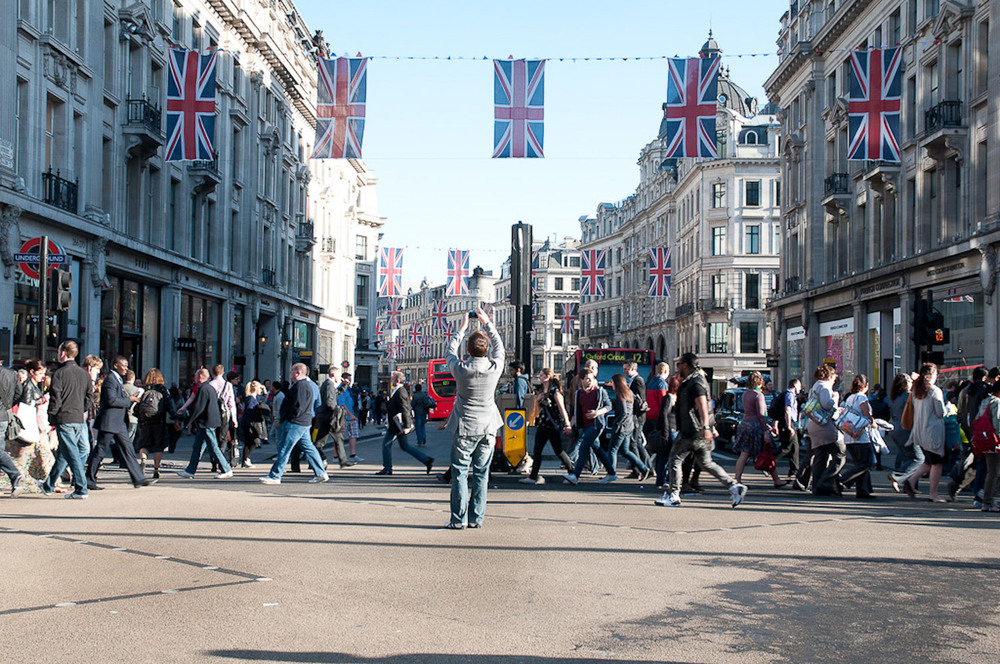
(31, 451)
(908, 455)
(754, 436)
(552, 423)
(253, 421)
(827, 442)
(859, 442)
(928, 431)
(991, 456)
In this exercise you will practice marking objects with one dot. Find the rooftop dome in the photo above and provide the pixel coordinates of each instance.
(710, 48)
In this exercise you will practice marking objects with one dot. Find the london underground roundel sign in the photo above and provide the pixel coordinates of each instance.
(27, 257)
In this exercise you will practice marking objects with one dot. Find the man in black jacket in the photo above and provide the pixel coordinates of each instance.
(111, 427)
(638, 386)
(206, 417)
(296, 416)
(9, 386)
(400, 424)
(71, 395)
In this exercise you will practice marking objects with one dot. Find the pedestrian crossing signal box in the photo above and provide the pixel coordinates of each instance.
(515, 436)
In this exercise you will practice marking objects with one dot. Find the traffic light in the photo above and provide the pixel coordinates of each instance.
(937, 333)
(918, 323)
(61, 282)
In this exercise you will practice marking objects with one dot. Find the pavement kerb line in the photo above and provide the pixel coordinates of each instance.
(144, 554)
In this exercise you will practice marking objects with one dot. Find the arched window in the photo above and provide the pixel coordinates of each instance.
(750, 138)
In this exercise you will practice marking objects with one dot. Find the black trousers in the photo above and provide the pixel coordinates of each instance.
(120, 443)
(552, 437)
(826, 464)
(789, 448)
(858, 471)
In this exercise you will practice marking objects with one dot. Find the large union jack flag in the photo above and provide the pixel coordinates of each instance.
(458, 272)
(439, 315)
(659, 272)
(519, 108)
(379, 331)
(393, 313)
(390, 272)
(340, 108)
(692, 91)
(592, 272)
(415, 333)
(566, 312)
(874, 101)
(190, 105)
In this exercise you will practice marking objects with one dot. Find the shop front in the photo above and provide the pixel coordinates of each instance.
(795, 354)
(130, 322)
(200, 340)
(837, 348)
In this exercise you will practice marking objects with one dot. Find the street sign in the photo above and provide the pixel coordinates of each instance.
(515, 434)
(773, 363)
(28, 256)
(345, 364)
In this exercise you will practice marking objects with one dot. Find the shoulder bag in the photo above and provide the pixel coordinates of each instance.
(851, 421)
(906, 421)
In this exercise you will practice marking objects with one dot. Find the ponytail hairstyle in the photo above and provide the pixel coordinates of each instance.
(922, 386)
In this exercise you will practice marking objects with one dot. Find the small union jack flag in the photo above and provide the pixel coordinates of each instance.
(390, 272)
(415, 333)
(393, 313)
(340, 108)
(689, 114)
(566, 312)
(439, 314)
(379, 331)
(190, 105)
(400, 347)
(458, 272)
(390, 350)
(425, 346)
(960, 298)
(534, 313)
(873, 105)
(518, 108)
(448, 332)
(592, 272)
(659, 272)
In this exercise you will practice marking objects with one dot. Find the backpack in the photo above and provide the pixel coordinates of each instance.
(776, 409)
(639, 405)
(338, 420)
(223, 410)
(151, 406)
(984, 436)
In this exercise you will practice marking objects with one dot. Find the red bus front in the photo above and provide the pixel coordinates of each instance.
(441, 387)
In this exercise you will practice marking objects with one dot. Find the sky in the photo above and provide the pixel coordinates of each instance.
(429, 123)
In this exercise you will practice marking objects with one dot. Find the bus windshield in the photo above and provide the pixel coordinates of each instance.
(443, 385)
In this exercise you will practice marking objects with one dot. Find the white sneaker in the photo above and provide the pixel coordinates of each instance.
(607, 479)
(570, 478)
(540, 480)
(668, 500)
(319, 479)
(246, 464)
(268, 480)
(76, 496)
(527, 480)
(356, 459)
(185, 474)
(737, 491)
(224, 476)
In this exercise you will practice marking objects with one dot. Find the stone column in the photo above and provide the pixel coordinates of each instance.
(170, 330)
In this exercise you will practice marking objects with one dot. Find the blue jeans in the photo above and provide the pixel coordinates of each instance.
(663, 455)
(403, 445)
(206, 438)
(623, 441)
(590, 440)
(477, 452)
(908, 457)
(74, 448)
(6, 463)
(421, 425)
(290, 435)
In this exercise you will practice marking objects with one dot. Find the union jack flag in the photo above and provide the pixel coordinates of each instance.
(400, 347)
(659, 272)
(874, 101)
(390, 272)
(415, 333)
(379, 331)
(448, 332)
(425, 346)
(458, 272)
(518, 108)
(534, 314)
(340, 108)
(439, 314)
(592, 272)
(390, 350)
(190, 105)
(689, 114)
(960, 298)
(567, 313)
(393, 312)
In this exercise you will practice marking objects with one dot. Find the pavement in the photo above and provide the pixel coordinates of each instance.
(360, 570)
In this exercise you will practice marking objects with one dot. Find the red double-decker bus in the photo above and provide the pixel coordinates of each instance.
(441, 387)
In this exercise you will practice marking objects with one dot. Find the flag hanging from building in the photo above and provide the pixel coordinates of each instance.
(190, 105)
(659, 272)
(393, 313)
(340, 108)
(592, 271)
(439, 315)
(390, 350)
(400, 347)
(448, 332)
(379, 331)
(519, 108)
(425, 346)
(458, 272)
(692, 91)
(566, 312)
(390, 272)
(415, 333)
(873, 105)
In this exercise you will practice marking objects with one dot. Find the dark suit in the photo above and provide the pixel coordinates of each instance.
(638, 440)
(399, 404)
(112, 432)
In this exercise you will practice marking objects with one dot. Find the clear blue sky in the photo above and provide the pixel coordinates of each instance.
(429, 130)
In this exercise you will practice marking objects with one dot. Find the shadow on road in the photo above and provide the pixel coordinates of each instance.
(409, 658)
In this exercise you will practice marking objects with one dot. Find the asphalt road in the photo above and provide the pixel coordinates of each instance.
(360, 570)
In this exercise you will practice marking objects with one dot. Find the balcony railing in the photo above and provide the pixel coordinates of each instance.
(792, 284)
(59, 191)
(205, 165)
(142, 112)
(304, 237)
(268, 276)
(945, 114)
(305, 229)
(685, 309)
(837, 183)
(708, 304)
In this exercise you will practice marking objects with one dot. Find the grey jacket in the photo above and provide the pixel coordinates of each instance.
(475, 412)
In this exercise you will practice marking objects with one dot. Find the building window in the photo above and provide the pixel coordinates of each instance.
(753, 239)
(753, 193)
(777, 194)
(748, 338)
(177, 25)
(361, 291)
(718, 241)
(559, 284)
(576, 284)
(574, 261)
(718, 289)
(719, 195)
(718, 338)
(361, 247)
(753, 291)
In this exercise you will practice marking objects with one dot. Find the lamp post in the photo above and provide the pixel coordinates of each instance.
(261, 342)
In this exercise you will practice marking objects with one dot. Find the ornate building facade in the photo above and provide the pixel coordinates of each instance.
(863, 240)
